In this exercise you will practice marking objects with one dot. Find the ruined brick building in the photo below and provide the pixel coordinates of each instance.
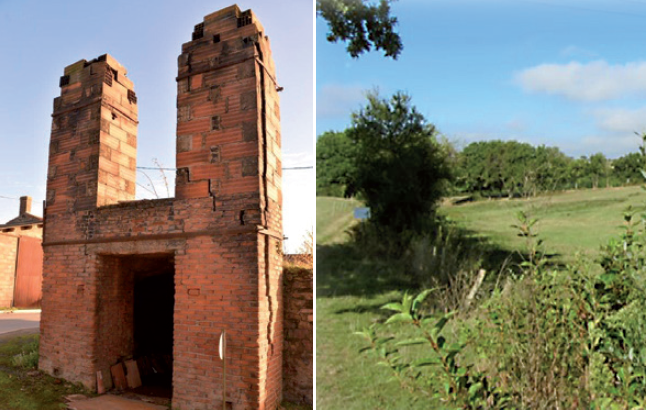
(134, 278)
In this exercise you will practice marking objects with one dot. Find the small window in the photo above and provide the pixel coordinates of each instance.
(107, 77)
(198, 32)
(216, 38)
(216, 123)
(132, 97)
(244, 19)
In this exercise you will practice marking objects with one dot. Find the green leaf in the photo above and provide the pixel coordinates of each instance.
(383, 340)
(607, 278)
(437, 328)
(451, 356)
(400, 318)
(411, 342)
(428, 320)
(427, 361)
(396, 306)
(407, 302)
(441, 341)
(420, 298)
(474, 389)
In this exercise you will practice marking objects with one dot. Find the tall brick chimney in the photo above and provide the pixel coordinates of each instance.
(25, 205)
(92, 153)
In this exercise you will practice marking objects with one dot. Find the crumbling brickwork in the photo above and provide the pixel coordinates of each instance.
(219, 238)
(298, 368)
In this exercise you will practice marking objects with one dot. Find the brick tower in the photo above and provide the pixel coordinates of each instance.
(159, 280)
(228, 150)
(94, 128)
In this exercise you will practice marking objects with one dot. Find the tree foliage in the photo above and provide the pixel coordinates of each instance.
(492, 168)
(362, 25)
(511, 168)
(334, 164)
(401, 170)
(628, 168)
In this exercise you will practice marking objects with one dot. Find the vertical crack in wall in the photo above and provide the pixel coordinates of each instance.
(212, 195)
(263, 104)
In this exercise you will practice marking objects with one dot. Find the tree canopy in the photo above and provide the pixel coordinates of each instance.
(362, 25)
(511, 168)
(334, 164)
(401, 170)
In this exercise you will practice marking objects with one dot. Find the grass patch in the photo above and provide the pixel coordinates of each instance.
(333, 218)
(345, 379)
(24, 389)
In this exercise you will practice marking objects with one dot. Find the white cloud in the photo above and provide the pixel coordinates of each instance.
(621, 119)
(595, 81)
(334, 100)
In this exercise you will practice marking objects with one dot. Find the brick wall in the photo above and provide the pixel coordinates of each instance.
(298, 367)
(8, 248)
(8, 258)
(33, 231)
(223, 231)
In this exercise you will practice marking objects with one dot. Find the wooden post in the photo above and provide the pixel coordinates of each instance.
(223, 346)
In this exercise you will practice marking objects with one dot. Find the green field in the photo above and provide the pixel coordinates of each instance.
(350, 288)
(571, 222)
(333, 218)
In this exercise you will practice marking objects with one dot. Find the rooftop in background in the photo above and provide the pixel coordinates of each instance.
(25, 217)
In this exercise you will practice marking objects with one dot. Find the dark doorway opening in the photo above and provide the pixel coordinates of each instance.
(153, 307)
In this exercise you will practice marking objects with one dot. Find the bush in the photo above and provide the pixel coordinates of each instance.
(400, 169)
(28, 358)
(552, 338)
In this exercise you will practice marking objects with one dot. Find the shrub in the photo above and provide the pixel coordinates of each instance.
(553, 338)
(28, 358)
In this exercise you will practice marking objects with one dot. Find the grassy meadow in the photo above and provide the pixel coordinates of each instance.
(351, 288)
(570, 222)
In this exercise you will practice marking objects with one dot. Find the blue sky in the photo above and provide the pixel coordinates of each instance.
(39, 38)
(566, 73)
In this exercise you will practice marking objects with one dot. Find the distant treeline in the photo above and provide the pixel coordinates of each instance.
(490, 168)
